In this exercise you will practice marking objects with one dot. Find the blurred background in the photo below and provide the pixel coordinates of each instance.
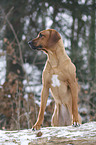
(21, 68)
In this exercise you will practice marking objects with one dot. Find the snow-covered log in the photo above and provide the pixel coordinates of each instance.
(83, 135)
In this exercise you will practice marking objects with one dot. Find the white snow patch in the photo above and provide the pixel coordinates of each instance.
(32, 83)
(38, 101)
(85, 86)
(83, 109)
(84, 18)
(24, 137)
(2, 69)
(9, 96)
(26, 97)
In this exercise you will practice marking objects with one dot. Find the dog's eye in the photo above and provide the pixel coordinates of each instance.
(40, 35)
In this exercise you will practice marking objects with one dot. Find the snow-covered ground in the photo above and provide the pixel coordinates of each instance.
(85, 134)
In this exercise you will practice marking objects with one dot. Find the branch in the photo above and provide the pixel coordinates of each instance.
(15, 35)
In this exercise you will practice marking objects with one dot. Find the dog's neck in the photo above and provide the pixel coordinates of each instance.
(58, 55)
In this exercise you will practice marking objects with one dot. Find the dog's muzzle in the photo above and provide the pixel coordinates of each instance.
(33, 46)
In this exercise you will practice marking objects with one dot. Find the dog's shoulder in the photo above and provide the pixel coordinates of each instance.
(71, 72)
(71, 68)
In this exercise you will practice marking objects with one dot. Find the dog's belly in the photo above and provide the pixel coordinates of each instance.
(60, 91)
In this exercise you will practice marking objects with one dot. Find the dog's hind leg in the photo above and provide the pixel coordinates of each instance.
(54, 121)
(61, 116)
(64, 116)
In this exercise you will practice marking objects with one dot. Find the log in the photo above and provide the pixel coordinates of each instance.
(69, 135)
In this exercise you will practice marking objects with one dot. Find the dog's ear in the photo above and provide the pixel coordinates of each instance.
(53, 37)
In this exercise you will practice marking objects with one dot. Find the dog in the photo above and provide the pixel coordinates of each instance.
(59, 75)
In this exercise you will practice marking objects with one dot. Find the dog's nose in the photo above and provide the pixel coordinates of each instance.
(30, 42)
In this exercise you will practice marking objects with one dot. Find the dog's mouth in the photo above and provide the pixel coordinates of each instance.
(36, 47)
(33, 46)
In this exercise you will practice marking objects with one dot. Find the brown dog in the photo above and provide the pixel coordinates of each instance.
(60, 76)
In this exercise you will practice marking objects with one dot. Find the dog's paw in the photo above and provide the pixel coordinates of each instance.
(36, 127)
(33, 129)
(75, 124)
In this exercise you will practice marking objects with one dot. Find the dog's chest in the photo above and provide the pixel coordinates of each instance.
(55, 81)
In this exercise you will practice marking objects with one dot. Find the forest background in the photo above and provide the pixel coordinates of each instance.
(21, 68)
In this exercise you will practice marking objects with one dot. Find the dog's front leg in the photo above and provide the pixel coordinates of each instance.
(44, 97)
(74, 92)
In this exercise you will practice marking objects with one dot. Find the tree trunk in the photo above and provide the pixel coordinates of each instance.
(92, 45)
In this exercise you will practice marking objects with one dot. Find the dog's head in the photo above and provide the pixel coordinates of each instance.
(45, 40)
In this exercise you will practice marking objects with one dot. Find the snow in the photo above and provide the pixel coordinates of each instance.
(83, 109)
(38, 101)
(32, 83)
(2, 69)
(86, 131)
(85, 86)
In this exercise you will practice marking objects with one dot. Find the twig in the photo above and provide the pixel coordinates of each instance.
(87, 101)
(15, 35)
